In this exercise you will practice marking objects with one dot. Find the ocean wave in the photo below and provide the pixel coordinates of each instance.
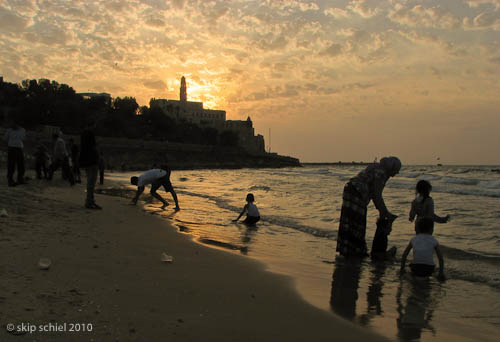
(429, 177)
(260, 187)
(471, 266)
(409, 175)
(473, 277)
(459, 254)
(490, 184)
(473, 192)
(277, 220)
(288, 223)
(462, 181)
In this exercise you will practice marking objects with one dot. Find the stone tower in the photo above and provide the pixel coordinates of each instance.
(183, 93)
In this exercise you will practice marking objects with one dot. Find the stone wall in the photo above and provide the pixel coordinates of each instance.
(130, 154)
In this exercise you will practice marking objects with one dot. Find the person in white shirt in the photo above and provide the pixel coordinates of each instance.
(15, 154)
(157, 178)
(252, 211)
(424, 245)
(60, 158)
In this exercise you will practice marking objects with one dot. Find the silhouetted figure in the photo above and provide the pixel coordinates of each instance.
(60, 159)
(102, 166)
(358, 192)
(423, 205)
(424, 245)
(41, 161)
(375, 291)
(380, 240)
(89, 159)
(416, 312)
(75, 158)
(15, 154)
(249, 233)
(251, 210)
(157, 178)
(345, 285)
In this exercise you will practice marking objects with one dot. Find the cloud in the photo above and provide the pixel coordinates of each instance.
(47, 33)
(419, 16)
(361, 8)
(158, 85)
(272, 42)
(333, 50)
(427, 39)
(485, 20)
(358, 85)
(477, 3)
(154, 20)
(247, 56)
(11, 22)
(292, 5)
(337, 13)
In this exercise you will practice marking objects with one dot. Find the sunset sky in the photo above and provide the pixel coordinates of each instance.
(333, 80)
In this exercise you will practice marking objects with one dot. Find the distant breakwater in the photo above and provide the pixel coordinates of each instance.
(122, 154)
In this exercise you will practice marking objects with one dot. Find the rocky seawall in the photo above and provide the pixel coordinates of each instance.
(123, 154)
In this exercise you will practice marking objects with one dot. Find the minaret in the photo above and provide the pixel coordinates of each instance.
(183, 93)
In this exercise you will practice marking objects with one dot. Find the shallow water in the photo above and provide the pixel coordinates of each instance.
(300, 209)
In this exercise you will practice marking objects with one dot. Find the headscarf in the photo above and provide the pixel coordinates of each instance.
(391, 165)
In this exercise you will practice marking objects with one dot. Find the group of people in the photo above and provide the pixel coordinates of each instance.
(161, 177)
(367, 186)
(86, 156)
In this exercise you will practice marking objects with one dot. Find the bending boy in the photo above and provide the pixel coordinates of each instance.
(157, 178)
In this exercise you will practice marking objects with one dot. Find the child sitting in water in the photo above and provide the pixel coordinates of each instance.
(251, 209)
(423, 205)
(423, 245)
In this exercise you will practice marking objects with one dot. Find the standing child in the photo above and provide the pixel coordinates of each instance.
(424, 245)
(423, 205)
(252, 211)
(41, 160)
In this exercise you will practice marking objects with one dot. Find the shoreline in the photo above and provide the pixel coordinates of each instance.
(106, 271)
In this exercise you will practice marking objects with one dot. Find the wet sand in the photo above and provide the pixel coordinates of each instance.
(106, 275)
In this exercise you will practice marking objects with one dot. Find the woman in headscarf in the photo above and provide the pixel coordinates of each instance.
(367, 185)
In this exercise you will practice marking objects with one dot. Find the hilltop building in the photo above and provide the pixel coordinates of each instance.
(194, 112)
(88, 96)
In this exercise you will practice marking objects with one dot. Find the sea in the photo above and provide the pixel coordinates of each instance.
(296, 237)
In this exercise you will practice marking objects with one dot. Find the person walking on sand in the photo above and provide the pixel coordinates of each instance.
(252, 211)
(41, 160)
(157, 178)
(89, 159)
(60, 159)
(75, 158)
(424, 245)
(423, 205)
(15, 154)
(366, 186)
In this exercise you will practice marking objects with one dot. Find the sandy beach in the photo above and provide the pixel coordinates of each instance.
(106, 276)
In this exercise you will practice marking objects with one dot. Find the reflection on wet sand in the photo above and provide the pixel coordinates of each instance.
(375, 292)
(416, 312)
(247, 233)
(416, 298)
(345, 284)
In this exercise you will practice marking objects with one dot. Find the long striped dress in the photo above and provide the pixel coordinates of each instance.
(357, 194)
